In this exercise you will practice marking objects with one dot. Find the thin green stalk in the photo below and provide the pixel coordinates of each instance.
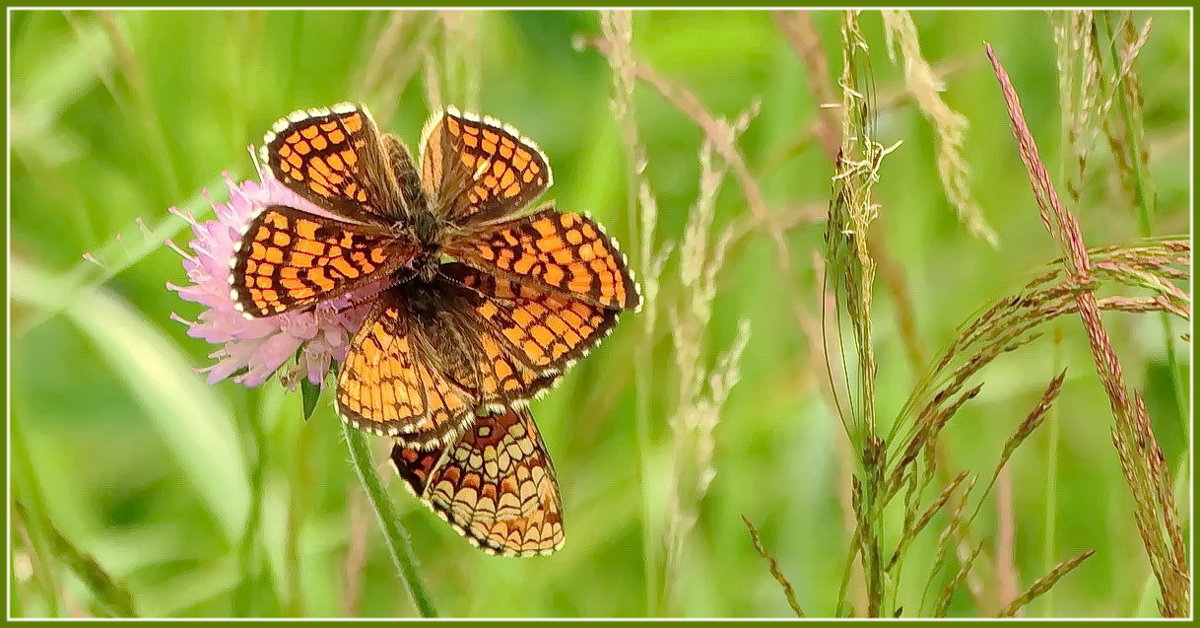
(394, 535)
(110, 598)
(644, 379)
(1049, 546)
(301, 481)
(618, 28)
(248, 566)
(842, 610)
(643, 385)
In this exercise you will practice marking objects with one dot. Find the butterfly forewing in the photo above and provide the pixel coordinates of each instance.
(565, 253)
(478, 169)
(542, 329)
(290, 259)
(495, 484)
(336, 159)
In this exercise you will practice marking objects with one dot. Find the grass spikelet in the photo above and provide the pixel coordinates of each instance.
(701, 391)
(723, 134)
(701, 258)
(849, 276)
(913, 528)
(949, 126)
(1132, 156)
(946, 539)
(788, 591)
(642, 211)
(1126, 133)
(1031, 422)
(1045, 583)
(850, 270)
(1080, 78)
(964, 569)
(1154, 508)
(1155, 513)
(1012, 322)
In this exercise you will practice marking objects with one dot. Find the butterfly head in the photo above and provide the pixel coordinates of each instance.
(427, 267)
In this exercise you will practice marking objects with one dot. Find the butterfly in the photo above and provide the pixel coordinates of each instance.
(483, 305)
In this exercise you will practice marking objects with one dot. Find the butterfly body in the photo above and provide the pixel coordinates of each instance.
(476, 306)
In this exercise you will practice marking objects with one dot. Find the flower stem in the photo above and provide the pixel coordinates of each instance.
(394, 535)
(249, 564)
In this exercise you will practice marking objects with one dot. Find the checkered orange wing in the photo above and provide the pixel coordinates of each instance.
(431, 355)
(394, 381)
(289, 259)
(520, 324)
(565, 253)
(495, 485)
(336, 158)
(477, 169)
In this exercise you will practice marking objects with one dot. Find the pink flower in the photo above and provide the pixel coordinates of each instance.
(252, 349)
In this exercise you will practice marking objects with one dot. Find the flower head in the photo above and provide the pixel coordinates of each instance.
(252, 349)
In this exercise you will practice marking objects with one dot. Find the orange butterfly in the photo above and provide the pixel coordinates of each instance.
(523, 297)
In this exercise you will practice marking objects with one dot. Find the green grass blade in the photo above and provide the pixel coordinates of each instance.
(135, 244)
(112, 595)
(192, 420)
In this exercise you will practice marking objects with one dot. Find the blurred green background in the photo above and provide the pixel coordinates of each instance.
(115, 117)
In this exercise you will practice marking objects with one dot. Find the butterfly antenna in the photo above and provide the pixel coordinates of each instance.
(399, 277)
(459, 283)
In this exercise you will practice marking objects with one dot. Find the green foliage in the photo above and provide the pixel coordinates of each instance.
(149, 491)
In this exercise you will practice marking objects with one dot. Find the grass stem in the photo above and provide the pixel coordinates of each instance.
(1049, 545)
(44, 571)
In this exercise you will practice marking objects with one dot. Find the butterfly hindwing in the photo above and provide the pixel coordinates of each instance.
(495, 484)
(423, 364)
(393, 383)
